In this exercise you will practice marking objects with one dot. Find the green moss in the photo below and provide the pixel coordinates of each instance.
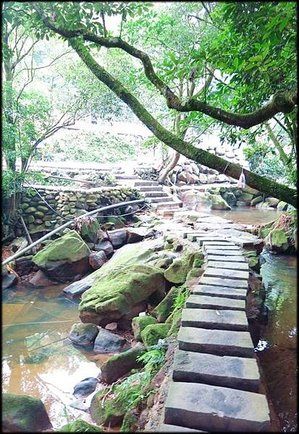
(163, 310)
(129, 422)
(70, 247)
(174, 322)
(278, 237)
(79, 425)
(153, 332)
(122, 288)
(178, 270)
(139, 323)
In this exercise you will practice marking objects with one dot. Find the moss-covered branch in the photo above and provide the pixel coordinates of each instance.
(199, 155)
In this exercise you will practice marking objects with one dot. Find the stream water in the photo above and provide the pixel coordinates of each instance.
(33, 318)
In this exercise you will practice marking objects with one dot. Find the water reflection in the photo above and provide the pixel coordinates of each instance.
(33, 319)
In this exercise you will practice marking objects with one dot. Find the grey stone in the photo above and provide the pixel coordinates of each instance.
(107, 342)
(225, 258)
(217, 281)
(208, 302)
(214, 319)
(220, 247)
(83, 334)
(229, 265)
(220, 342)
(220, 272)
(215, 408)
(227, 371)
(217, 243)
(221, 252)
(201, 239)
(85, 387)
(220, 291)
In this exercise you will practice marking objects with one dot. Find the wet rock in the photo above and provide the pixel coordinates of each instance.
(118, 237)
(272, 202)
(217, 202)
(277, 241)
(120, 364)
(23, 413)
(282, 206)
(41, 279)
(106, 247)
(256, 200)
(85, 387)
(153, 332)
(108, 342)
(90, 229)
(230, 198)
(8, 279)
(135, 235)
(97, 259)
(83, 334)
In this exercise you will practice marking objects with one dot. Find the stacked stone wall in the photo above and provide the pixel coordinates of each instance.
(45, 208)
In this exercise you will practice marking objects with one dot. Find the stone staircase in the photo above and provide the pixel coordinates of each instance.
(162, 202)
(216, 384)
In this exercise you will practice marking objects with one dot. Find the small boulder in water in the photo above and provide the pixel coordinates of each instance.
(83, 334)
(85, 387)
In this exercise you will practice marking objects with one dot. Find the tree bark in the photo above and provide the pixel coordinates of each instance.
(201, 156)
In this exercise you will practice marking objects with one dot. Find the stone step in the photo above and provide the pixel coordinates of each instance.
(229, 265)
(217, 243)
(129, 177)
(193, 237)
(144, 183)
(214, 319)
(211, 238)
(219, 342)
(227, 371)
(217, 281)
(176, 428)
(160, 199)
(167, 205)
(220, 291)
(226, 258)
(208, 302)
(155, 194)
(220, 247)
(221, 252)
(220, 272)
(164, 212)
(215, 408)
(150, 188)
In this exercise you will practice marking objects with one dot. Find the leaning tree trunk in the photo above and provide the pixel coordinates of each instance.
(171, 165)
(201, 156)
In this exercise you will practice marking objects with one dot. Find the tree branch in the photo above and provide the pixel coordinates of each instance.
(201, 156)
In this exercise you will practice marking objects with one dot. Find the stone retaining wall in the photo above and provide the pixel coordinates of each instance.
(68, 203)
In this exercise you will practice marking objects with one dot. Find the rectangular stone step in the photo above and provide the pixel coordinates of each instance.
(226, 371)
(217, 281)
(153, 194)
(176, 428)
(160, 199)
(220, 247)
(145, 188)
(144, 183)
(208, 302)
(219, 342)
(220, 272)
(221, 252)
(214, 319)
(192, 237)
(168, 205)
(201, 239)
(220, 291)
(215, 408)
(228, 265)
(226, 258)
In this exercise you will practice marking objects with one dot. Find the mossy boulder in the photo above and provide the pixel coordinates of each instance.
(277, 240)
(83, 334)
(174, 322)
(217, 202)
(153, 332)
(178, 270)
(163, 310)
(114, 297)
(282, 206)
(120, 364)
(22, 413)
(64, 257)
(79, 425)
(139, 323)
(90, 230)
(253, 260)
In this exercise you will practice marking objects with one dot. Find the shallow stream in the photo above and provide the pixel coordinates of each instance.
(52, 371)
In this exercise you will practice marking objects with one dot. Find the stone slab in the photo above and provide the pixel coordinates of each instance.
(201, 239)
(216, 409)
(218, 281)
(230, 247)
(234, 372)
(219, 342)
(220, 272)
(175, 428)
(208, 302)
(218, 243)
(226, 258)
(220, 252)
(220, 291)
(214, 319)
(229, 265)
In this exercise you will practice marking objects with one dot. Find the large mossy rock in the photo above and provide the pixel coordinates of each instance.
(277, 241)
(64, 258)
(115, 296)
(217, 202)
(177, 272)
(139, 323)
(79, 425)
(164, 309)
(22, 413)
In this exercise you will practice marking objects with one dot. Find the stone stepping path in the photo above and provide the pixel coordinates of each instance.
(216, 385)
